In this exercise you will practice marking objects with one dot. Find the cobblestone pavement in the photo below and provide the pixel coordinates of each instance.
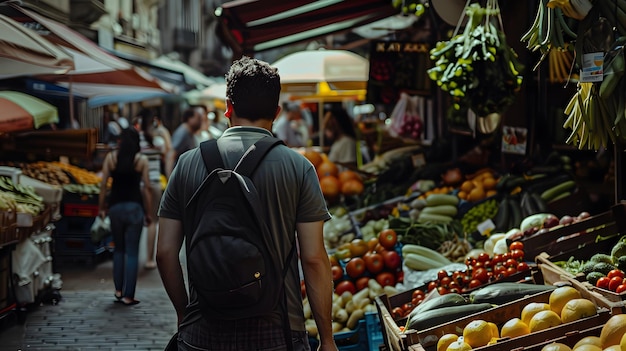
(86, 318)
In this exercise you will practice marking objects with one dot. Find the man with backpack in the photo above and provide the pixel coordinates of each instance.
(247, 208)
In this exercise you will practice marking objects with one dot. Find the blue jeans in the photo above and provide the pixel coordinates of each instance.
(126, 226)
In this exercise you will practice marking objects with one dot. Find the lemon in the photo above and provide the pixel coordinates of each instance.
(529, 310)
(459, 345)
(556, 346)
(613, 348)
(622, 343)
(576, 309)
(589, 340)
(587, 347)
(495, 333)
(544, 320)
(560, 296)
(613, 330)
(513, 328)
(477, 333)
(445, 341)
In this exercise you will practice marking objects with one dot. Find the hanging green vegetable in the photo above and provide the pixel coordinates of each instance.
(477, 67)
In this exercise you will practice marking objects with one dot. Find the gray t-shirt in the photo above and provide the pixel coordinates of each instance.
(287, 183)
(183, 140)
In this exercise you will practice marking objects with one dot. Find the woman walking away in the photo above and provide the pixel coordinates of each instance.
(128, 168)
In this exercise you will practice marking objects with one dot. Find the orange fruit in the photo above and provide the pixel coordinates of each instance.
(556, 346)
(589, 340)
(467, 186)
(476, 194)
(330, 187)
(445, 341)
(513, 328)
(489, 183)
(313, 156)
(576, 309)
(530, 309)
(327, 168)
(352, 187)
(613, 331)
(560, 296)
(347, 174)
(544, 320)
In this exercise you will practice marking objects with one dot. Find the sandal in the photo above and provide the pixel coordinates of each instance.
(128, 302)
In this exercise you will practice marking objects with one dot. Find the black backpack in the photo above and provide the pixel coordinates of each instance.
(233, 265)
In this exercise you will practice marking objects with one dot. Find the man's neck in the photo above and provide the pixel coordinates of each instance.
(259, 123)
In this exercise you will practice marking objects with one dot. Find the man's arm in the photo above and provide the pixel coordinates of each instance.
(318, 279)
(170, 240)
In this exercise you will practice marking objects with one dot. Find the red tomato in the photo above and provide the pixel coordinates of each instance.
(386, 278)
(511, 270)
(388, 238)
(615, 282)
(445, 281)
(481, 275)
(620, 289)
(482, 257)
(361, 283)
(516, 245)
(355, 267)
(407, 307)
(417, 293)
(442, 274)
(497, 258)
(517, 254)
(511, 262)
(522, 266)
(432, 285)
(374, 262)
(343, 286)
(442, 290)
(603, 283)
(392, 259)
(474, 283)
(337, 272)
(397, 313)
(506, 256)
(615, 273)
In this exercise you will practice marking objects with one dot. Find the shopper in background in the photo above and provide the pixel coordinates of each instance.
(291, 127)
(340, 132)
(161, 139)
(126, 209)
(288, 185)
(183, 138)
(203, 133)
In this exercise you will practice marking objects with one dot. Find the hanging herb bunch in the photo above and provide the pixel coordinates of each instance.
(477, 67)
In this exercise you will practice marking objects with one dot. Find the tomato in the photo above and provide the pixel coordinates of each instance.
(337, 272)
(302, 289)
(432, 285)
(386, 278)
(478, 264)
(374, 262)
(517, 254)
(603, 283)
(417, 293)
(474, 283)
(516, 245)
(620, 289)
(392, 259)
(355, 267)
(407, 307)
(511, 262)
(615, 273)
(511, 270)
(506, 256)
(343, 286)
(445, 281)
(397, 313)
(481, 275)
(522, 266)
(497, 258)
(388, 238)
(362, 283)
(615, 282)
(482, 257)
(470, 261)
(442, 274)
(442, 290)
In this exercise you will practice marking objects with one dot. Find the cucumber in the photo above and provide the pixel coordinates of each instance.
(442, 199)
(433, 318)
(556, 190)
(504, 292)
(433, 218)
(447, 300)
(444, 210)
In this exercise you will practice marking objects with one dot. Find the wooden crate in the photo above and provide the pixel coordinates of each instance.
(570, 338)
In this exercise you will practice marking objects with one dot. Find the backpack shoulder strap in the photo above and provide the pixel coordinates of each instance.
(209, 150)
(254, 155)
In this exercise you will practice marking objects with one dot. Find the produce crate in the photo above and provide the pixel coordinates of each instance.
(393, 338)
(80, 210)
(8, 228)
(35, 224)
(570, 338)
(572, 236)
(366, 336)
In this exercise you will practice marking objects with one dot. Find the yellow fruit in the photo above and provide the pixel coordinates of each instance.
(560, 296)
(477, 333)
(576, 309)
(544, 320)
(445, 341)
(613, 348)
(459, 345)
(529, 310)
(613, 330)
(556, 346)
(589, 340)
(587, 347)
(495, 333)
(467, 186)
(513, 328)
(622, 343)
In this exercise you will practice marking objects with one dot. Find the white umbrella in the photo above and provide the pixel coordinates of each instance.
(24, 52)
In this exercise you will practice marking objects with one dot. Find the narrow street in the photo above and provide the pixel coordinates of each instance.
(86, 318)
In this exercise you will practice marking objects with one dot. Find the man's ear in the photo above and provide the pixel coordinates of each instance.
(278, 109)
(229, 109)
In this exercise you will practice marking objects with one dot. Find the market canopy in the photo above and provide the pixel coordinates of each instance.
(21, 112)
(250, 26)
(24, 52)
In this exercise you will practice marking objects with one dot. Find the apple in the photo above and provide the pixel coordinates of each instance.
(392, 259)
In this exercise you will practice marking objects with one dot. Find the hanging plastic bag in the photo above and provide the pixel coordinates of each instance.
(397, 116)
(100, 229)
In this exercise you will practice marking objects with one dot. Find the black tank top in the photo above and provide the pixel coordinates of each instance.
(126, 187)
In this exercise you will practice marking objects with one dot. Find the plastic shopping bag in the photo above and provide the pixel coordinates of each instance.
(100, 229)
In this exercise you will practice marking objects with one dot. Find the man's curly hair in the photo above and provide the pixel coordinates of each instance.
(253, 87)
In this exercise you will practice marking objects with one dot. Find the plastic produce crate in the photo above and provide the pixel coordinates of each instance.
(367, 336)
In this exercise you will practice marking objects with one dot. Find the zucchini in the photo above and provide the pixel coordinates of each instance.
(433, 318)
(556, 190)
(442, 199)
(420, 263)
(444, 210)
(447, 300)
(424, 252)
(503, 292)
(433, 218)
